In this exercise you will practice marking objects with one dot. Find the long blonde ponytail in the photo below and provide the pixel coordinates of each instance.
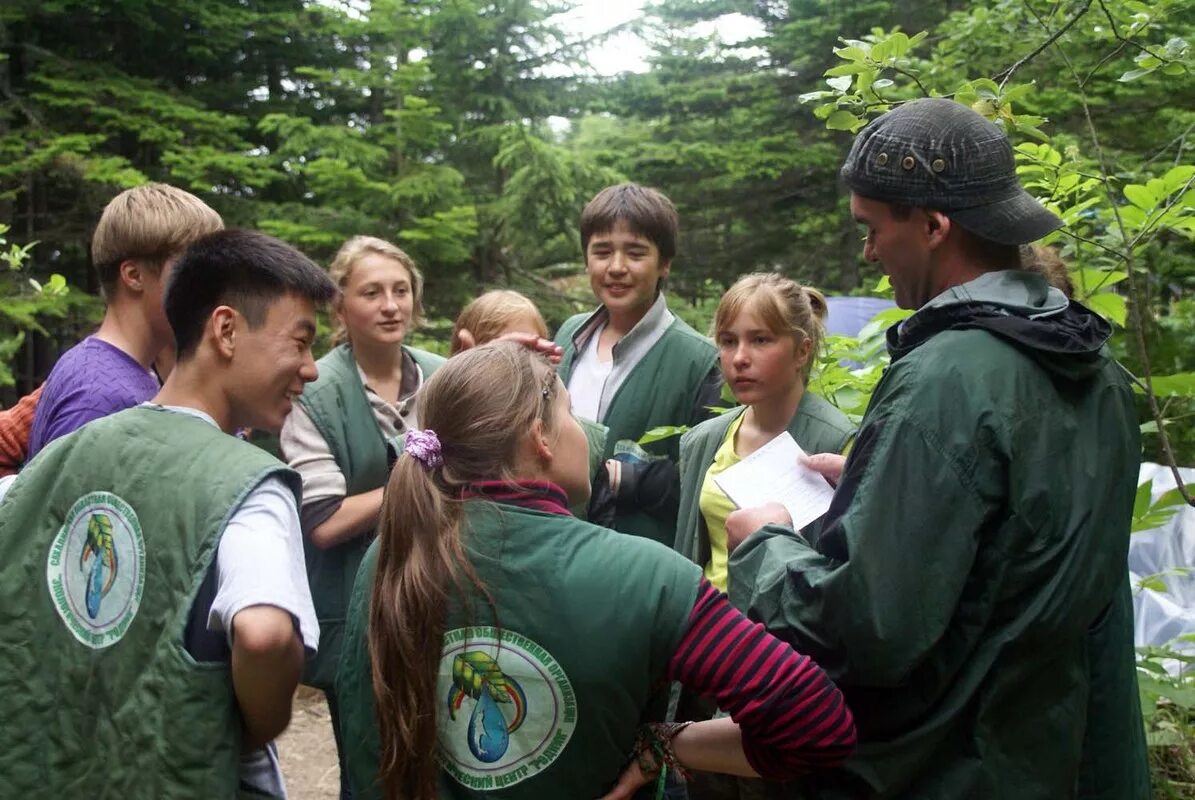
(479, 404)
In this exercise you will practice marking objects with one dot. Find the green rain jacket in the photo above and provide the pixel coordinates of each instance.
(968, 590)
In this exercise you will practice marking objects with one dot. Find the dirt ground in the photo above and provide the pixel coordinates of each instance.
(308, 751)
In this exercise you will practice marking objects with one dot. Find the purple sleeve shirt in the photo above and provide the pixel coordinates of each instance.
(91, 380)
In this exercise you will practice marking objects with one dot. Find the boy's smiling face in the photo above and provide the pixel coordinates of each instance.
(624, 270)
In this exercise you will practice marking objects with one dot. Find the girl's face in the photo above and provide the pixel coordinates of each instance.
(569, 467)
(378, 302)
(758, 364)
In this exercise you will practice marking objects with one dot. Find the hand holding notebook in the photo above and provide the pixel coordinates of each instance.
(774, 474)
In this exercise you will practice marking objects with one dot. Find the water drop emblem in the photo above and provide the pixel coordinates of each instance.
(95, 588)
(509, 708)
(100, 548)
(95, 569)
(475, 674)
(488, 736)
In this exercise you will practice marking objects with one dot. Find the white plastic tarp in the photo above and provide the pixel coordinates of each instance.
(1163, 616)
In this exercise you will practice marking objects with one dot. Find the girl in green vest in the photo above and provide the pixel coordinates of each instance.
(496, 646)
(343, 430)
(499, 313)
(768, 329)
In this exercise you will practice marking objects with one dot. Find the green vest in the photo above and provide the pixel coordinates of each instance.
(107, 537)
(589, 620)
(660, 390)
(595, 440)
(340, 410)
(818, 427)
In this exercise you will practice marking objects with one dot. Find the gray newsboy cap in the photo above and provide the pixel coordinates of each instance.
(938, 154)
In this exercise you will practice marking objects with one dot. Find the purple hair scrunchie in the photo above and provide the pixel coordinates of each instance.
(424, 446)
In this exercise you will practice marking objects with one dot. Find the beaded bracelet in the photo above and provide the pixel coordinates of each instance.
(654, 753)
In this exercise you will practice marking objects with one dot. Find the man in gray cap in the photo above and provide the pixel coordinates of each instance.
(967, 589)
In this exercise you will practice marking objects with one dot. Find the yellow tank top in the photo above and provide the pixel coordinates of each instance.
(716, 507)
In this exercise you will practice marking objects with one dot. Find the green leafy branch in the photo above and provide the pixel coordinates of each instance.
(1174, 59)
(1149, 514)
(23, 302)
(855, 85)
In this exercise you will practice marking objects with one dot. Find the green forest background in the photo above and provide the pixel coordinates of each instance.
(471, 133)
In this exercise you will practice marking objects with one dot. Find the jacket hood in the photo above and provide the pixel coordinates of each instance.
(1021, 308)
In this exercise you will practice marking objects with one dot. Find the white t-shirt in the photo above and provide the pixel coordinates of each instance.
(260, 562)
(260, 558)
(588, 380)
(593, 384)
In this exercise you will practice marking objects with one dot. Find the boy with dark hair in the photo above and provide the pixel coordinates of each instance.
(139, 235)
(170, 625)
(631, 364)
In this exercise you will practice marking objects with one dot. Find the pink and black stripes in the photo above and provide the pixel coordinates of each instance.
(792, 716)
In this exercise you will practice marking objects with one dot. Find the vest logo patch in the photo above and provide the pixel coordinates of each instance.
(96, 569)
(510, 708)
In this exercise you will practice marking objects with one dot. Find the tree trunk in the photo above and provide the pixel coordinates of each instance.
(848, 252)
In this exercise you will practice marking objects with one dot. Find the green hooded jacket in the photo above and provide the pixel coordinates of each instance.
(968, 589)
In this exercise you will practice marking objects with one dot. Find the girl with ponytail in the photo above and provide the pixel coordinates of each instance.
(496, 646)
(768, 329)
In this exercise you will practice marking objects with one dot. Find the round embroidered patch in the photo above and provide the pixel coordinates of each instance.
(510, 709)
(96, 569)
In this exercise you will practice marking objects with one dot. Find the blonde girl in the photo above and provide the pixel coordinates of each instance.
(503, 314)
(347, 425)
(497, 644)
(768, 329)
(494, 314)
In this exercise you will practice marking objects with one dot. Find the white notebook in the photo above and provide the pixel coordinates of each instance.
(774, 474)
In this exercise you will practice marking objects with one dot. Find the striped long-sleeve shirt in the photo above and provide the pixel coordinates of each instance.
(793, 717)
(15, 425)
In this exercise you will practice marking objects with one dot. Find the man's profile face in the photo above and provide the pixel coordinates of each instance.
(273, 362)
(899, 246)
